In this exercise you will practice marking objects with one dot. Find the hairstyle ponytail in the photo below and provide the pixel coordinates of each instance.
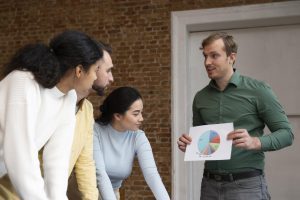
(38, 59)
(48, 64)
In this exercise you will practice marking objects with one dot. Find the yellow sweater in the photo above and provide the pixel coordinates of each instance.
(82, 152)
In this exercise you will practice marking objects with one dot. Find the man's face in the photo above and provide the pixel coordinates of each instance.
(218, 65)
(104, 74)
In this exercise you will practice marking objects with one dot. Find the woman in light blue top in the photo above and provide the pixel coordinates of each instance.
(117, 140)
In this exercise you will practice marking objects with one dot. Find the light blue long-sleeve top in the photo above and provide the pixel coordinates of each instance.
(114, 153)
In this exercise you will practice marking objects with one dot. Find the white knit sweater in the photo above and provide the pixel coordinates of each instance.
(31, 117)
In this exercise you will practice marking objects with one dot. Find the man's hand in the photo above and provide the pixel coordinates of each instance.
(241, 139)
(183, 141)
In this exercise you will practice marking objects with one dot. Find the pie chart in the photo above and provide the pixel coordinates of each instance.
(208, 142)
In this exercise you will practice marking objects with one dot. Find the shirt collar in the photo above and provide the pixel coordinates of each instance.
(234, 80)
(56, 92)
(79, 105)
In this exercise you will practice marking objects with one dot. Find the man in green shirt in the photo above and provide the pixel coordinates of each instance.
(250, 105)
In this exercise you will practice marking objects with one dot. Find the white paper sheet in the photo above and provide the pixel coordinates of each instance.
(209, 142)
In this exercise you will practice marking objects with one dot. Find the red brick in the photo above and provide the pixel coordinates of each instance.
(139, 33)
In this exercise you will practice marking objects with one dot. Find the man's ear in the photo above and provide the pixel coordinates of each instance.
(232, 58)
(78, 71)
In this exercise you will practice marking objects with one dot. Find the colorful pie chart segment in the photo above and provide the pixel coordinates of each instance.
(208, 142)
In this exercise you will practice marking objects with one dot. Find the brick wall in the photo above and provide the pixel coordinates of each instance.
(138, 31)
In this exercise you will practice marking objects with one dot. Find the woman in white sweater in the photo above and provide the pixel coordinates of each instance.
(37, 110)
(118, 140)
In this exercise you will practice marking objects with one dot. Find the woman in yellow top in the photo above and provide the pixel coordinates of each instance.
(82, 163)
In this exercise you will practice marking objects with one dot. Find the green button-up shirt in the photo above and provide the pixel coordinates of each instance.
(250, 105)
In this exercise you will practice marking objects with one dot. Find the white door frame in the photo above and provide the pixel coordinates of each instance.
(185, 22)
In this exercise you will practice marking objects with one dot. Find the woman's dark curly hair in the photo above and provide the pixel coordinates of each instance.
(48, 64)
(38, 59)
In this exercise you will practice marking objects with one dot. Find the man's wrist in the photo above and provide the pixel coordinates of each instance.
(257, 143)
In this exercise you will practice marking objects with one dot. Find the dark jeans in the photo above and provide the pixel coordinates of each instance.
(254, 188)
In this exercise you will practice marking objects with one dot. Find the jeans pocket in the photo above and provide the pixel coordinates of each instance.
(249, 183)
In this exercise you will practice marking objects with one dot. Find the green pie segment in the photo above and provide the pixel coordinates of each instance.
(208, 142)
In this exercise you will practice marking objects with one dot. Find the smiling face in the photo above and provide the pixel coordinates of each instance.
(218, 65)
(131, 119)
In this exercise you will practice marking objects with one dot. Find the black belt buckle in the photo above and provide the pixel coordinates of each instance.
(223, 177)
(217, 177)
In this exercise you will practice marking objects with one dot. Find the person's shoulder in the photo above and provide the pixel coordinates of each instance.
(253, 83)
(85, 114)
(135, 134)
(203, 91)
(21, 76)
(70, 98)
(139, 132)
(99, 128)
(97, 125)
(20, 82)
(141, 141)
(139, 135)
(86, 105)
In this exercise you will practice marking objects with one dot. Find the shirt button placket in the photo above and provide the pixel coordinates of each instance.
(221, 108)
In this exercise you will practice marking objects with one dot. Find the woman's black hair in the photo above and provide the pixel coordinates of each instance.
(38, 59)
(118, 101)
(73, 48)
(48, 64)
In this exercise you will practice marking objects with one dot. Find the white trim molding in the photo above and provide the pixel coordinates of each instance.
(182, 24)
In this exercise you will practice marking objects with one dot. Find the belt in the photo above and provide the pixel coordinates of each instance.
(232, 176)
